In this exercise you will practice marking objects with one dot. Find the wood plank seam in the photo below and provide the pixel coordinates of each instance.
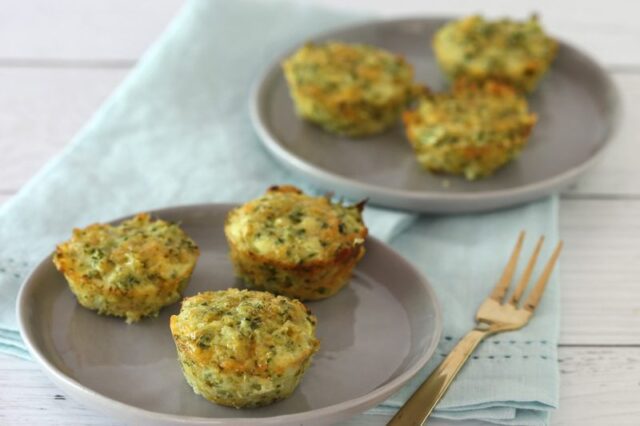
(563, 196)
(66, 63)
(599, 196)
(599, 346)
(7, 62)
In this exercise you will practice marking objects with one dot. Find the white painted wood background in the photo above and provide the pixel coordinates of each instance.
(59, 60)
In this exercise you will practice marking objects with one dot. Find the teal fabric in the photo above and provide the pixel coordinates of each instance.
(177, 131)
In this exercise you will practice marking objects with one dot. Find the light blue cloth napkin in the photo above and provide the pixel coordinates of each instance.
(177, 131)
(512, 378)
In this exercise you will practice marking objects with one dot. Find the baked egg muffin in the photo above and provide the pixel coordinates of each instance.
(243, 348)
(477, 49)
(296, 245)
(472, 131)
(348, 89)
(129, 270)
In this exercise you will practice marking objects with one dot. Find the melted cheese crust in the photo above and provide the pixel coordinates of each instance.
(515, 52)
(244, 348)
(348, 89)
(472, 131)
(130, 270)
(293, 244)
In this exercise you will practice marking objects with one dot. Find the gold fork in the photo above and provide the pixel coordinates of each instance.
(495, 315)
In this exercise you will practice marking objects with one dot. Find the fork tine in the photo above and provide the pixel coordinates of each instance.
(536, 293)
(501, 288)
(526, 276)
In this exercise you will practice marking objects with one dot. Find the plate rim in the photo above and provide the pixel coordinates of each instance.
(121, 409)
(414, 199)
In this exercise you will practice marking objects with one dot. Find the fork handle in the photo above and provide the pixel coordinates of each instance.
(416, 410)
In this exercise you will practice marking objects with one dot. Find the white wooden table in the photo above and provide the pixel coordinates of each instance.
(59, 60)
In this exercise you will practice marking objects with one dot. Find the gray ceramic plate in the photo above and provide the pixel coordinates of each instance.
(576, 105)
(375, 334)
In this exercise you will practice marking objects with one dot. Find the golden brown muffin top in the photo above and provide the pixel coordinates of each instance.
(138, 253)
(514, 50)
(243, 331)
(335, 73)
(292, 228)
(473, 114)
